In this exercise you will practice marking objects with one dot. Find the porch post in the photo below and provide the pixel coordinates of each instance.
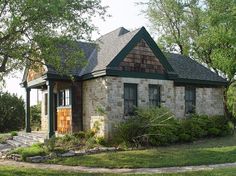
(51, 130)
(27, 111)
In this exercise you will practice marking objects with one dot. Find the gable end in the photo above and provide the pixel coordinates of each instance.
(125, 59)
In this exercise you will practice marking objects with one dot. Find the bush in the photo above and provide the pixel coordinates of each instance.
(4, 138)
(157, 127)
(11, 112)
(34, 150)
(13, 133)
(149, 126)
(35, 117)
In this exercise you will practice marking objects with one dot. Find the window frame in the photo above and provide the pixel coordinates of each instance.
(157, 100)
(64, 98)
(135, 99)
(190, 90)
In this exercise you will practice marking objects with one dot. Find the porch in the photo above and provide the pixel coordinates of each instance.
(61, 106)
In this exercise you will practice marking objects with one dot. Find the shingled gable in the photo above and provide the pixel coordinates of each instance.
(113, 49)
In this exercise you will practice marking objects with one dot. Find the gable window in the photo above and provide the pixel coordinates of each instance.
(154, 95)
(130, 98)
(64, 97)
(190, 99)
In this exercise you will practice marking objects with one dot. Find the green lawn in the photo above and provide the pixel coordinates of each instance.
(210, 151)
(14, 171)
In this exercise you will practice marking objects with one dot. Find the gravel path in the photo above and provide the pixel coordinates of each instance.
(106, 170)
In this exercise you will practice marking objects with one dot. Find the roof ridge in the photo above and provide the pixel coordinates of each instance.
(112, 32)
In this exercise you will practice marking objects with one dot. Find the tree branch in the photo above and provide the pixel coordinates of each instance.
(3, 65)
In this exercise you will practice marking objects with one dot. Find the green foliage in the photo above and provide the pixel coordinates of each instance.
(14, 133)
(149, 126)
(11, 112)
(35, 117)
(74, 141)
(49, 144)
(34, 150)
(231, 99)
(202, 29)
(157, 127)
(4, 138)
(32, 32)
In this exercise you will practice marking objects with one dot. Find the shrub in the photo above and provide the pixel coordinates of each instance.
(4, 138)
(157, 126)
(34, 150)
(49, 144)
(149, 126)
(11, 112)
(13, 133)
(35, 117)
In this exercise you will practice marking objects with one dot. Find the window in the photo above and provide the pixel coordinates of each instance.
(130, 98)
(64, 97)
(190, 99)
(67, 97)
(45, 103)
(154, 95)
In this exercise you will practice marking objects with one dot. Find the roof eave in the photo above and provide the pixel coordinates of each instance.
(200, 82)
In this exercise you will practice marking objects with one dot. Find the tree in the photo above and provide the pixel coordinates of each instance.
(31, 31)
(11, 112)
(202, 29)
(35, 116)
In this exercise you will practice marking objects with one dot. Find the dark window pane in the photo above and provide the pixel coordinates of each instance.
(64, 97)
(130, 98)
(154, 95)
(190, 99)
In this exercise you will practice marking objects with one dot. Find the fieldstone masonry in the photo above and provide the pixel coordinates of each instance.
(107, 93)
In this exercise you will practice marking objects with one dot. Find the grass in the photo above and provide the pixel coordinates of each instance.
(210, 151)
(15, 171)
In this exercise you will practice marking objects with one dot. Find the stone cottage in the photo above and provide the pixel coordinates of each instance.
(124, 69)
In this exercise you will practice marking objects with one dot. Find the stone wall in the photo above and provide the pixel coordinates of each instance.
(107, 93)
(210, 101)
(94, 97)
(179, 100)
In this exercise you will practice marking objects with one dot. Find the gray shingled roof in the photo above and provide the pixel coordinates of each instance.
(108, 46)
(187, 68)
(87, 49)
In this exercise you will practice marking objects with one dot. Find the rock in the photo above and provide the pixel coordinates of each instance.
(35, 159)
(93, 151)
(68, 154)
(80, 152)
(15, 157)
(111, 149)
(103, 149)
(52, 155)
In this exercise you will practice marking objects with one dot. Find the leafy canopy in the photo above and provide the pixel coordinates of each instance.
(32, 30)
(202, 29)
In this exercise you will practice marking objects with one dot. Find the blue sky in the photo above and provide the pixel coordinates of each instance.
(123, 13)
